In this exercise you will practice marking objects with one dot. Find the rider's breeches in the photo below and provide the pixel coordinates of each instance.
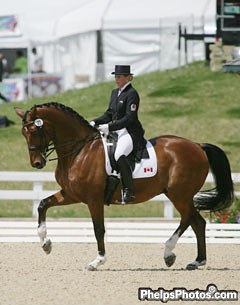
(124, 144)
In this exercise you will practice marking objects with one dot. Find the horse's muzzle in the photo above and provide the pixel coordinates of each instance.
(39, 164)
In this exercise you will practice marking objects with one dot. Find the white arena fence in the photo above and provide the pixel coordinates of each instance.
(116, 232)
(39, 180)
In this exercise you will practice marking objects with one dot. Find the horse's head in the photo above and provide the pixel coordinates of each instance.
(37, 134)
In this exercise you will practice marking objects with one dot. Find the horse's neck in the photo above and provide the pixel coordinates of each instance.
(67, 130)
(70, 146)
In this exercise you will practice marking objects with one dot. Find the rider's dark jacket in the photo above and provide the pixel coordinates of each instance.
(122, 112)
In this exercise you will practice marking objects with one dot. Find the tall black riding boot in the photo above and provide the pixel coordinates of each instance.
(126, 178)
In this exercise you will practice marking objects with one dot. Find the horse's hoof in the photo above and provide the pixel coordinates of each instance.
(192, 266)
(170, 260)
(195, 265)
(47, 246)
(90, 268)
(100, 260)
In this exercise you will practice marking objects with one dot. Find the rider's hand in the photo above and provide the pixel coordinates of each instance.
(104, 128)
(92, 123)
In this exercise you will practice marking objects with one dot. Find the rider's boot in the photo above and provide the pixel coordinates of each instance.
(127, 181)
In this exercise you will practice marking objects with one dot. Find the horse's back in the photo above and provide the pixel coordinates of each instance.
(179, 149)
(184, 162)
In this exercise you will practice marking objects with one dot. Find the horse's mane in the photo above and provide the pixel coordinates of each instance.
(66, 109)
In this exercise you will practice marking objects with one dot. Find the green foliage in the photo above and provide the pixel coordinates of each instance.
(231, 215)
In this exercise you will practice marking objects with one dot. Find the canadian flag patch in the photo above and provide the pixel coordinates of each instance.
(148, 169)
(133, 107)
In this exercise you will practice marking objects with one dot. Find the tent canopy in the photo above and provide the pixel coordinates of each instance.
(37, 19)
(125, 14)
(143, 33)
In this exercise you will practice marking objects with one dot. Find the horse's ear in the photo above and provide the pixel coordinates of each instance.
(19, 112)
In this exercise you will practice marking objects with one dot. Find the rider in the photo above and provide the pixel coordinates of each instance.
(122, 118)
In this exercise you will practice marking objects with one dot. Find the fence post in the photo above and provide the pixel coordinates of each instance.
(168, 209)
(37, 188)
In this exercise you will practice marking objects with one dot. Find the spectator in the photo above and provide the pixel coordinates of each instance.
(36, 62)
(21, 65)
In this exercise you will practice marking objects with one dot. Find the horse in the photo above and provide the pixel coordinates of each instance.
(183, 166)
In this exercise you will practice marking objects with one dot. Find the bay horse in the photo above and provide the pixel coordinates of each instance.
(182, 170)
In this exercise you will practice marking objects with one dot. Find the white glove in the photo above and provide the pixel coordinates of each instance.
(92, 123)
(104, 128)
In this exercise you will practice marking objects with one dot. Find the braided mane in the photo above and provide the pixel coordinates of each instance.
(66, 109)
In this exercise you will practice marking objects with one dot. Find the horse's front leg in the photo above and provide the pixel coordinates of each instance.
(57, 199)
(97, 213)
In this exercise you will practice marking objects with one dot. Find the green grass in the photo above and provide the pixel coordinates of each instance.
(191, 102)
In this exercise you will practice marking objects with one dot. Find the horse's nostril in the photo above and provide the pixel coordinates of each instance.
(37, 165)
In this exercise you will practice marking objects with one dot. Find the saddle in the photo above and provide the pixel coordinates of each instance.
(143, 163)
(133, 158)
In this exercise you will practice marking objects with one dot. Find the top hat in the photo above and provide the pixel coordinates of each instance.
(122, 70)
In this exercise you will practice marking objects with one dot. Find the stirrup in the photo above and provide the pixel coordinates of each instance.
(127, 197)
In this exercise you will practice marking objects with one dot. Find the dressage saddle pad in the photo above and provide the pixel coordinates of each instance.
(144, 168)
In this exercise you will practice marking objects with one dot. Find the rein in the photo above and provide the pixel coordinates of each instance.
(51, 148)
(47, 150)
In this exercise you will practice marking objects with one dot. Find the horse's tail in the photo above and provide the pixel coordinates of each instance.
(221, 197)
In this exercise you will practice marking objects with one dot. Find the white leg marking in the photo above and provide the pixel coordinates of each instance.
(42, 232)
(170, 244)
(100, 260)
(45, 242)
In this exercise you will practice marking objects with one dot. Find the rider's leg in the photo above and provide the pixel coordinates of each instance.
(123, 149)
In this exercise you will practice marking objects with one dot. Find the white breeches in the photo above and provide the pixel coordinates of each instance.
(124, 144)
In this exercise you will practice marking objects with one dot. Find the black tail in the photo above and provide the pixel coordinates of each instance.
(221, 197)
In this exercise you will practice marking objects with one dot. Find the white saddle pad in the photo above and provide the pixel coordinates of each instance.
(144, 169)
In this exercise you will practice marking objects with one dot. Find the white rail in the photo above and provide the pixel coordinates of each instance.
(116, 232)
(38, 192)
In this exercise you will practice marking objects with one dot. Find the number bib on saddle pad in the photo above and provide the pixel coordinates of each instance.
(147, 167)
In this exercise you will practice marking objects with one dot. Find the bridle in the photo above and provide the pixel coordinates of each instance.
(46, 149)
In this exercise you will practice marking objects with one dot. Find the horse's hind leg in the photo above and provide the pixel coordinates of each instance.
(185, 208)
(169, 256)
(189, 216)
(198, 225)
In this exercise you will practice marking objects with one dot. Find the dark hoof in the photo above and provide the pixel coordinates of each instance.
(192, 267)
(47, 246)
(170, 260)
(195, 265)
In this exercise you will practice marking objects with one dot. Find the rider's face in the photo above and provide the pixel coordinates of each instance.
(121, 80)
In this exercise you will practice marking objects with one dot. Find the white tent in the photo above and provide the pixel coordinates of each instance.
(143, 33)
(36, 25)
(84, 39)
